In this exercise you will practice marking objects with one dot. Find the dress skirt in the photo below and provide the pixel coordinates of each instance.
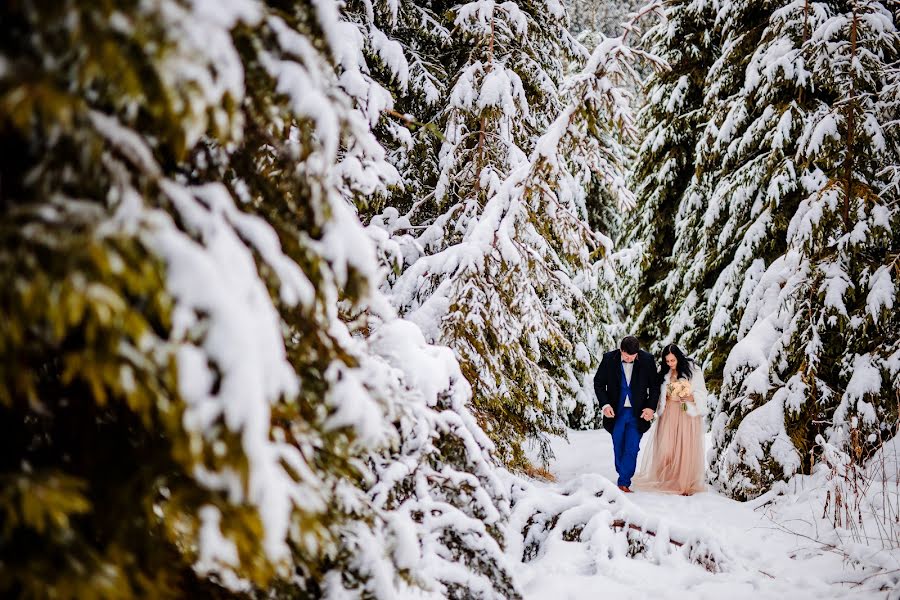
(672, 459)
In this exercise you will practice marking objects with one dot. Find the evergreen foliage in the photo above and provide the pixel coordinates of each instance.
(489, 242)
(202, 393)
(216, 381)
(818, 341)
(671, 123)
(783, 263)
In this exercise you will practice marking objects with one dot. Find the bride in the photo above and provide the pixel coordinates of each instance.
(672, 460)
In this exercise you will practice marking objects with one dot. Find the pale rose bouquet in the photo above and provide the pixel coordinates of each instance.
(680, 389)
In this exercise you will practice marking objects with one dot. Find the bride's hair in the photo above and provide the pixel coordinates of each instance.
(683, 367)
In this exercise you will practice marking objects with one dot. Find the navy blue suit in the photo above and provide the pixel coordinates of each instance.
(626, 427)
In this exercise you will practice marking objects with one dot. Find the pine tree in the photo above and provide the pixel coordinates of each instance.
(111, 423)
(671, 122)
(200, 390)
(813, 280)
(744, 176)
(756, 290)
(479, 269)
(406, 48)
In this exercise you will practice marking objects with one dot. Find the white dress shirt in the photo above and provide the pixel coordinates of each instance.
(628, 368)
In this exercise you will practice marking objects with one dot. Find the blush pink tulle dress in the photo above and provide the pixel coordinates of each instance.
(672, 459)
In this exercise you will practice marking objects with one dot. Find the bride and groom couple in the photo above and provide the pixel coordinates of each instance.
(634, 394)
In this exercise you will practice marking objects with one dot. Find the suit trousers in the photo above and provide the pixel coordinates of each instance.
(626, 444)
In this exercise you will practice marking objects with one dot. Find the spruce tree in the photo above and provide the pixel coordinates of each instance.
(122, 413)
(201, 391)
(804, 299)
(775, 268)
(512, 285)
(745, 176)
(670, 124)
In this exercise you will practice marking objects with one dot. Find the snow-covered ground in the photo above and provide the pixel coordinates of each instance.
(760, 551)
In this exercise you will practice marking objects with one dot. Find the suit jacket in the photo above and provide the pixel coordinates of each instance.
(645, 386)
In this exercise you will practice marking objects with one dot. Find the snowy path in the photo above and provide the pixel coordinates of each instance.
(765, 561)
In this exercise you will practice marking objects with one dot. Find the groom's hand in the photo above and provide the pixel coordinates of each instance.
(647, 414)
(608, 411)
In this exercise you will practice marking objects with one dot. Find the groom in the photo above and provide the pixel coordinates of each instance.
(627, 388)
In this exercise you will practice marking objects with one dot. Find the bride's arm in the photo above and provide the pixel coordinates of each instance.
(698, 387)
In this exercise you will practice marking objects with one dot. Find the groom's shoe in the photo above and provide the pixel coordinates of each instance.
(625, 489)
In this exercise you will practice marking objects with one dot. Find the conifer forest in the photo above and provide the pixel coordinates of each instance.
(305, 299)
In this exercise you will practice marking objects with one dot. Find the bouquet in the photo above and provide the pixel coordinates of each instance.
(680, 389)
